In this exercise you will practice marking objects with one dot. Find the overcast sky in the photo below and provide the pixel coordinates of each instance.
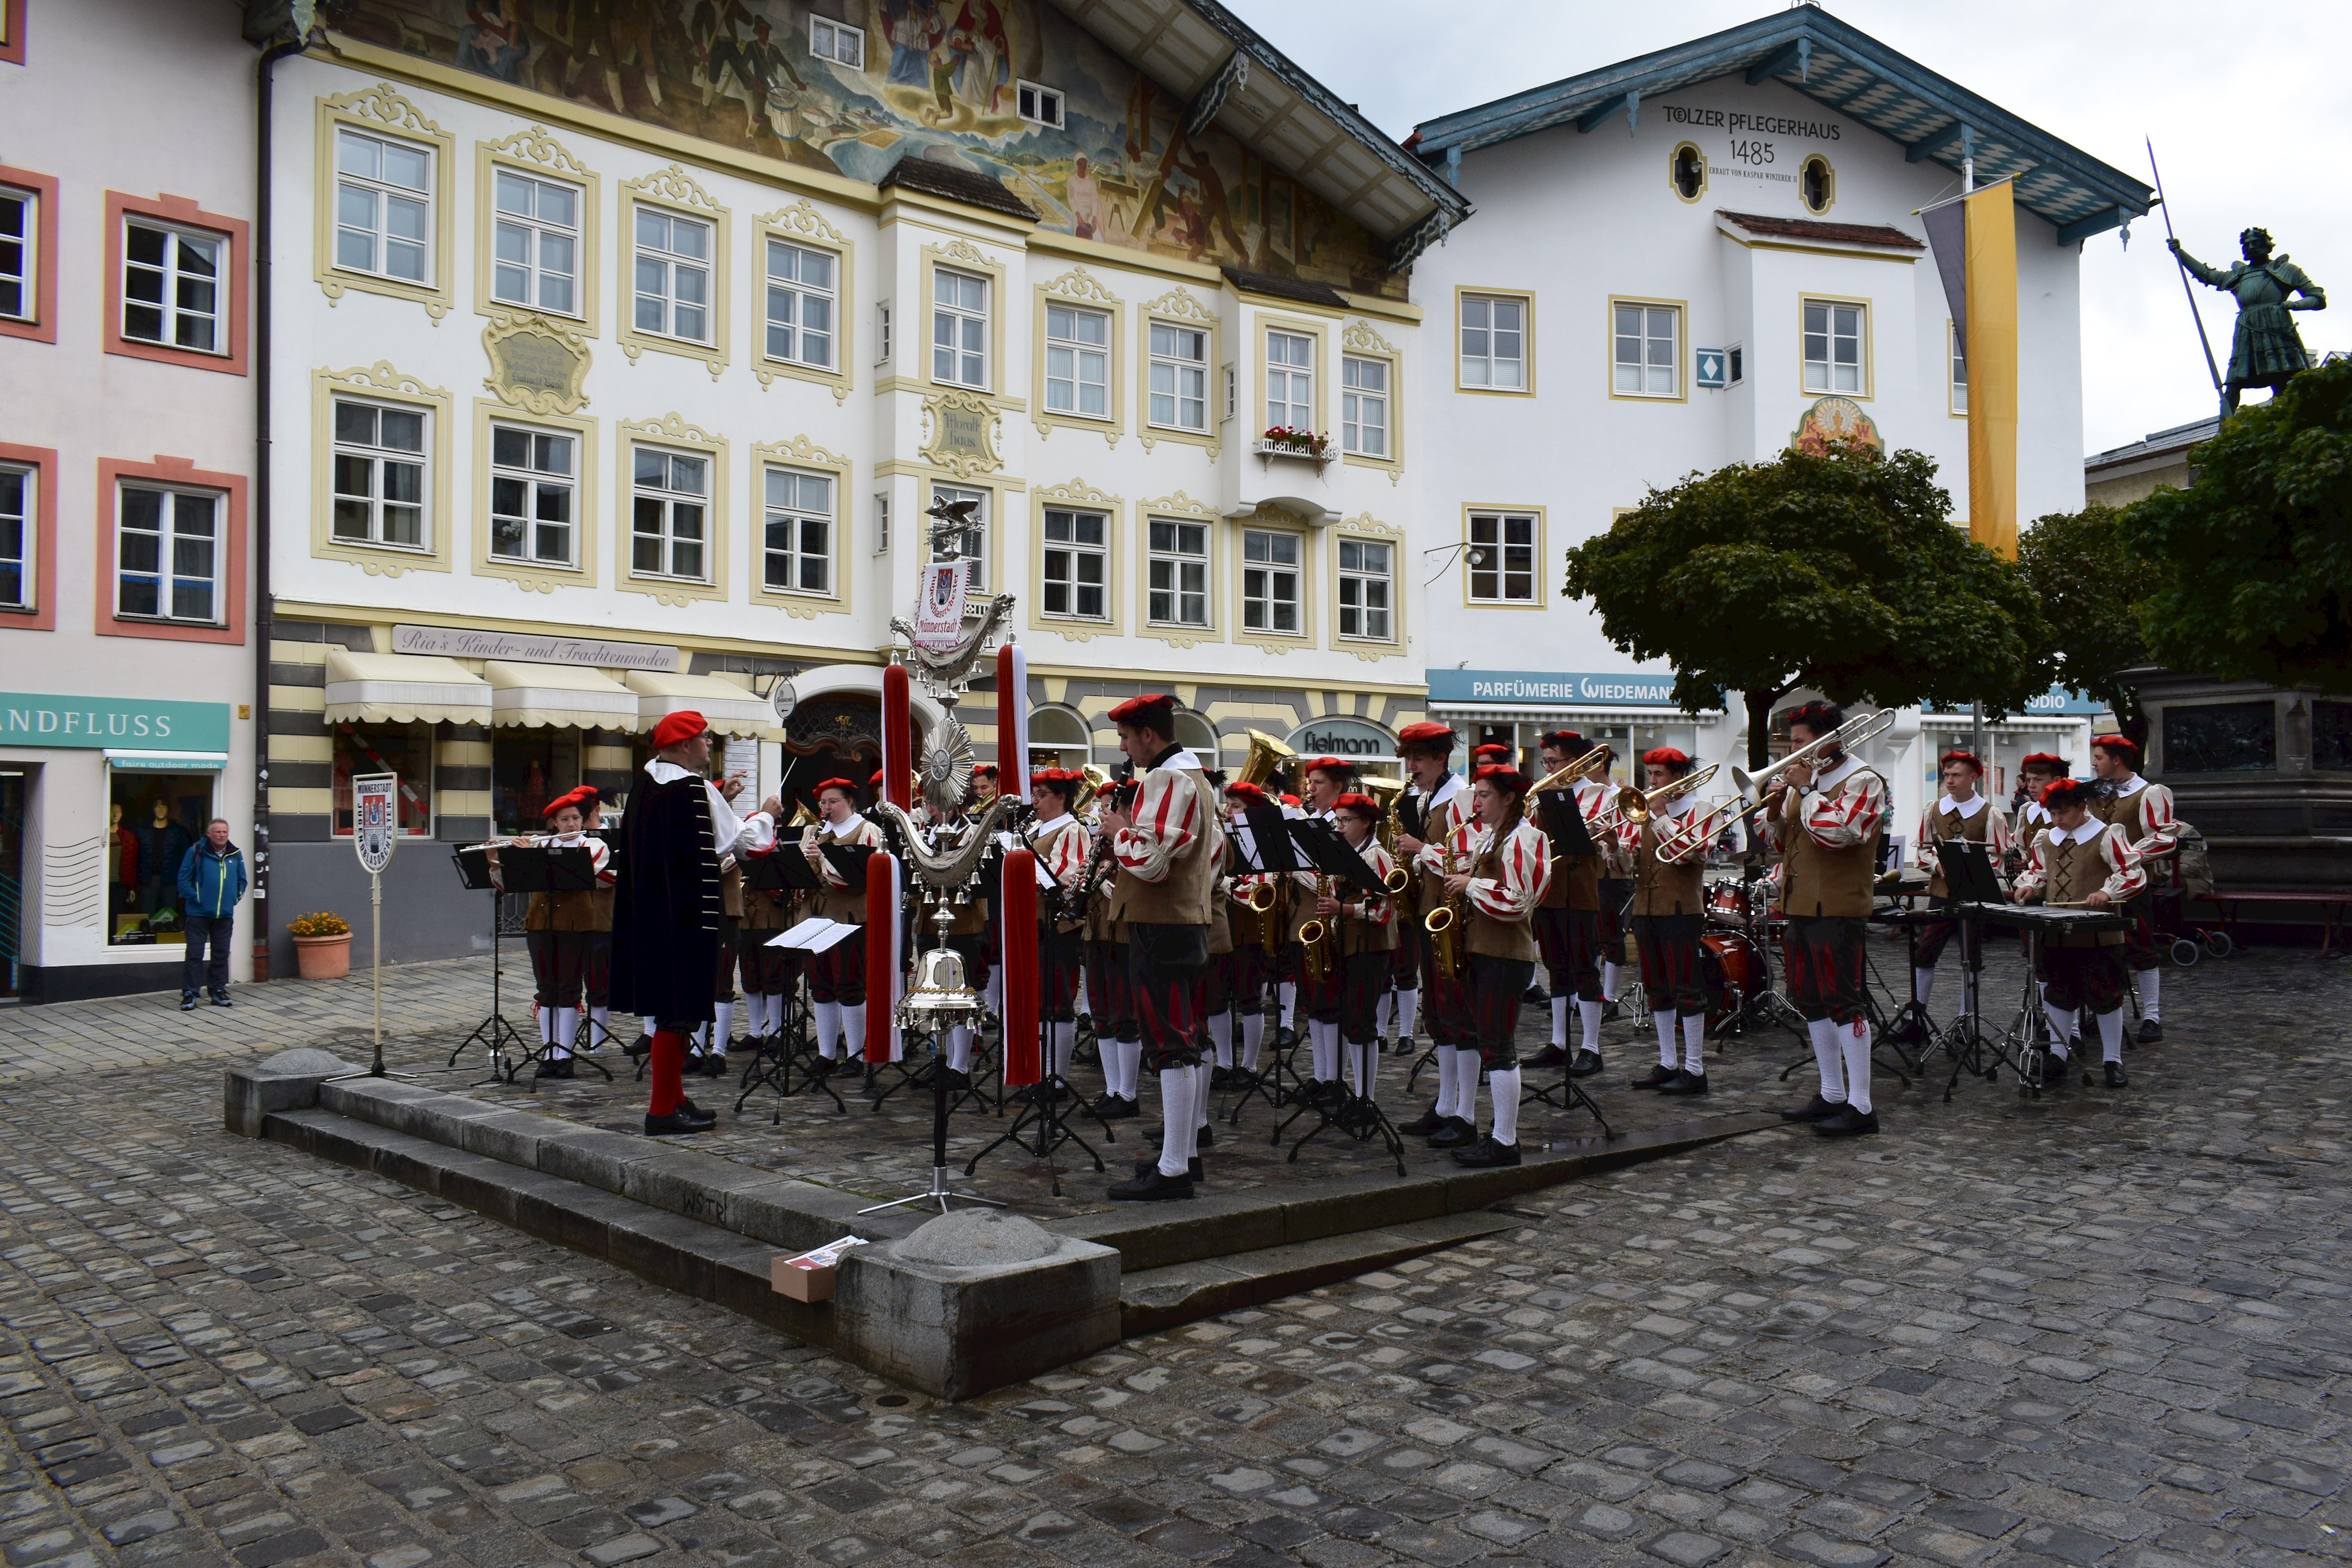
(2250, 106)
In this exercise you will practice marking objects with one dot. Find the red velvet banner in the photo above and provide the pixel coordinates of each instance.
(882, 946)
(1018, 921)
(898, 754)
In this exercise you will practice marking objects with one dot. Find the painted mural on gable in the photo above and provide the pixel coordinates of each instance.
(938, 78)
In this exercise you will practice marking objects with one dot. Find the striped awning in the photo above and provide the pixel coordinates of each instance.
(727, 707)
(402, 688)
(558, 696)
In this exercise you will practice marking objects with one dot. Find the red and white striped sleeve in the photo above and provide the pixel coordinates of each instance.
(600, 856)
(1167, 826)
(1068, 852)
(1378, 909)
(2036, 870)
(1923, 845)
(1525, 864)
(2125, 875)
(1999, 840)
(2156, 816)
(1848, 818)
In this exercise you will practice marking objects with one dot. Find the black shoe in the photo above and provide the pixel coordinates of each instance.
(825, 1067)
(1610, 1011)
(1286, 1038)
(1422, 1125)
(1150, 1188)
(1817, 1110)
(2150, 1032)
(1909, 1032)
(188, 1002)
(1151, 1163)
(957, 1081)
(2054, 1069)
(1656, 1078)
(694, 1113)
(1111, 1107)
(715, 1064)
(1405, 1045)
(1586, 1064)
(220, 999)
(674, 1126)
(1457, 1134)
(1220, 1080)
(1549, 1056)
(2115, 1078)
(1685, 1083)
(638, 1048)
(1486, 1152)
(1848, 1123)
(561, 1068)
(1535, 996)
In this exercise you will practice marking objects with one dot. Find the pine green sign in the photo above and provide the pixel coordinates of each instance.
(38, 719)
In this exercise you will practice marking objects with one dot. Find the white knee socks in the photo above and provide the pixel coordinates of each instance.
(1505, 1087)
(1609, 975)
(1176, 1124)
(546, 1027)
(1589, 1013)
(1364, 1066)
(1922, 986)
(1465, 1087)
(724, 1029)
(1065, 1036)
(852, 1023)
(1381, 1015)
(1854, 1039)
(1221, 1037)
(960, 1049)
(1288, 992)
(828, 1029)
(1408, 1011)
(567, 1025)
(2062, 1026)
(1664, 1018)
(1829, 1059)
(2151, 995)
(1253, 1036)
(1445, 1055)
(1323, 1039)
(1131, 1067)
(1695, 1045)
(993, 995)
(2111, 1035)
(1559, 1020)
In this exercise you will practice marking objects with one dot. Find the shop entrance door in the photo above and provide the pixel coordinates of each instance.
(12, 885)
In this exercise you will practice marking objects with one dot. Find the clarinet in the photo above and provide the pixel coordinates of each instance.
(1097, 860)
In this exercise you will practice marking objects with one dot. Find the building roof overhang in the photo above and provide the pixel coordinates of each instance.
(1225, 74)
(1839, 67)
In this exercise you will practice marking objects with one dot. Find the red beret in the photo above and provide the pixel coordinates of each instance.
(1331, 765)
(1243, 791)
(1665, 757)
(844, 785)
(2066, 792)
(1290, 800)
(1502, 778)
(2121, 746)
(1490, 749)
(1362, 805)
(1567, 742)
(1428, 732)
(2043, 760)
(1971, 757)
(579, 798)
(1153, 710)
(1060, 780)
(676, 728)
(985, 770)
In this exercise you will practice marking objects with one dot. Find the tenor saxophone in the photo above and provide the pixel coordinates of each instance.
(1318, 944)
(1448, 926)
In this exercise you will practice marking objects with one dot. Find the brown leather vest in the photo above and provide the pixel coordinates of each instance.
(2075, 872)
(1815, 881)
(1184, 896)
(1495, 938)
(1660, 888)
(1943, 825)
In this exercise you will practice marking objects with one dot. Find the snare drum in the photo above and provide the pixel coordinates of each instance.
(1726, 904)
(1733, 971)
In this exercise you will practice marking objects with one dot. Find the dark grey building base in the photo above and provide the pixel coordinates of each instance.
(81, 982)
(426, 913)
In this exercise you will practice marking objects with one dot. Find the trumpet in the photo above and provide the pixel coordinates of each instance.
(1319, 943)
(1570, 771)
(1637, 806)
(1845, 736)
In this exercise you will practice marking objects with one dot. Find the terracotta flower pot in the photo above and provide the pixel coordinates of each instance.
(323, 958)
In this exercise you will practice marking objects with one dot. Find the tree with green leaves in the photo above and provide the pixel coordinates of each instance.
(2090, 589)
(2254, 560)
(1836, 570)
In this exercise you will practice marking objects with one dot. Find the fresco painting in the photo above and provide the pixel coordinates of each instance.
(938, 80)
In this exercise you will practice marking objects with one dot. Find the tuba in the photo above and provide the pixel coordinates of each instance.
(1096, 778)
(1267, 759)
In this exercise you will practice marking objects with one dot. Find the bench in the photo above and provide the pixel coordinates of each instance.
(2331, 907)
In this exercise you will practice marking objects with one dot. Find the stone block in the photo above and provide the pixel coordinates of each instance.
(974, 1300)
(289, 1081)
(511, 1137)
(594, 1157)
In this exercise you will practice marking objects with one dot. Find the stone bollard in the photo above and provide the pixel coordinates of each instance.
(287, 1081)
(974, 1300)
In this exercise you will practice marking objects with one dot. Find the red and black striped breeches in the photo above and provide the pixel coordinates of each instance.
(1362, 978)
(1109, 993)
(838, 974)
(2139, 936)
(1405, 960)
(1496, 986)
(1216, 996)
(1668, 944)
(559, 961)
(767, 971)
(1444, 1004)
(1613, 895)
(1061, 959)
(2084, 976)
(1246, 969)
(1319, 999)
(1823, 956)
(1569, 941)
(1167, 1010)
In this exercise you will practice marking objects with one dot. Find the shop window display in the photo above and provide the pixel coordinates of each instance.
(155, 819)
(529, 767)
(404, 750)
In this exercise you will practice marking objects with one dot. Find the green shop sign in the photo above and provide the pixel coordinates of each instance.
(29, 719)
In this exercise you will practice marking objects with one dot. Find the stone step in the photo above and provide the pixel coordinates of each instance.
(678, 1253)
(1153, 1300)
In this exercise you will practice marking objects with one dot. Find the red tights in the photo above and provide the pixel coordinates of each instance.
(668, 1066)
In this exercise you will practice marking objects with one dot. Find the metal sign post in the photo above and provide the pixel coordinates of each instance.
(374, 829)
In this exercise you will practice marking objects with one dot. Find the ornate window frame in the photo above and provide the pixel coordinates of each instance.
(1273, 520)
(669, 430)
(800, 452)
(532, 576)
(997, 491)
(962, 256)
(675, 191)
(1179, 308)
(802, 224)
(1080, 287)
(1182, 509)
(1674, 157)
(534, 152)
(1077, 495)
(1369, 529)
(380, 111)
(1360, 340)
(380, 383)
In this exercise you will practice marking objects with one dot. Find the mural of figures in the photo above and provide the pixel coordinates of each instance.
(938, 80)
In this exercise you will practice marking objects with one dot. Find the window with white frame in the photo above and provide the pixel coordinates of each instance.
(1364, 590)
(1289, 380)
(383, 207)
(882, 523)
(1647, 347)
(838, 42)
(1180, 376)
(798, 537)
(1232, 392)
(1502, 557)
(959, 329)
(167, 555)
(1078, 564)
(800, 304)
(1077, 361)
(882, 333)
(1270, 578)
(1494, 343)
(1959, 359)
(973, 543)
(18, 213)
(1833, 343)
(673, 274)
(1364, 406)
(379, 474)
(669, 513)
(1039, 105)
(534, 490)
(16, 514)
(172, 286)
(1177, 573)
(535, 242)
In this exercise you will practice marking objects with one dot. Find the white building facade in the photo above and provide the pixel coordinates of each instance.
(126, 455)
(1685, 261)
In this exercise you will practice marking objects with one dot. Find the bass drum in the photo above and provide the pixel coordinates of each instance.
(1733, 971)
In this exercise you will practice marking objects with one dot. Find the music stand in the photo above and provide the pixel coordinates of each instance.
(1262, 846)
(1042, 1112)
(1319, 846)
(473, 863)
(550, 869)
(785, 872)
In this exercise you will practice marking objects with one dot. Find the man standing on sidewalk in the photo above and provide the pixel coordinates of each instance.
(212, 881)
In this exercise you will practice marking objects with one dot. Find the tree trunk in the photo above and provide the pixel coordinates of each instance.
(1759, 727)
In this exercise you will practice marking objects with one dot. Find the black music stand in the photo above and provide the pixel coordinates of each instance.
(785, 872)
(550, 869)
(1973, 889)
(1320, 846)
(473, 863)
(1265, 849)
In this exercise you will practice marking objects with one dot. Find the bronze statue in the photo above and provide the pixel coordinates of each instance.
(2267, 350)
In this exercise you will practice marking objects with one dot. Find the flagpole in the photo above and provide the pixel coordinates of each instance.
(2187, 293)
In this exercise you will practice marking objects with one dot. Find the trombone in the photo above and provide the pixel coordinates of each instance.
(1569, 771)
(1845, 737)
(1637, 806)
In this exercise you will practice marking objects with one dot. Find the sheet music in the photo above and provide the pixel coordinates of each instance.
(815, 935)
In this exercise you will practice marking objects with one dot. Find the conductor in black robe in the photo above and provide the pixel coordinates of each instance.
(667, 910)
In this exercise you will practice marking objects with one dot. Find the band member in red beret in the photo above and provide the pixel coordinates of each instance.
(558, 929)
(1961, 812)
(1669, 919)
(2144, 812)
(1436, 803)
(1111, 991)
(1567, 921)
(1063, 847)
(1250, 965)
(837, 975)
(1364, 932)
(1167, 852)
(2081, 861)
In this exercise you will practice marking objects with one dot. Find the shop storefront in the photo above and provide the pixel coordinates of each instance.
(1630, 712)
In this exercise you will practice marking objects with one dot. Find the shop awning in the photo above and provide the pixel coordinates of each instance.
(725, 706)
(559, 697)
(402, 688)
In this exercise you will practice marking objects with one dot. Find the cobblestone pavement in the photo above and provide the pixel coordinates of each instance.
(2101, 1329)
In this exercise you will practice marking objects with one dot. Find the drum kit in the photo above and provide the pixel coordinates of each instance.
(1732, 962)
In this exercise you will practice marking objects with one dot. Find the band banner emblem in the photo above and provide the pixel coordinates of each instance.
(938, 617)
(374, 818)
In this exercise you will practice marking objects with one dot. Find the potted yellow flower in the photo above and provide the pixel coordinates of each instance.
(322, 945)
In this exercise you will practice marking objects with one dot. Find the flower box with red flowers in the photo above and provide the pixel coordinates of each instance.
(1282, 441)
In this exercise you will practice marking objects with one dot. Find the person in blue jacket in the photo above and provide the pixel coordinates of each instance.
(212, 881)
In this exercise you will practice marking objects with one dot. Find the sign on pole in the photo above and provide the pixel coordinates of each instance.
(375, 827)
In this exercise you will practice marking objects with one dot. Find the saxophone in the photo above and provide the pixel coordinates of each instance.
(1319, 943)
(1448, 925)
